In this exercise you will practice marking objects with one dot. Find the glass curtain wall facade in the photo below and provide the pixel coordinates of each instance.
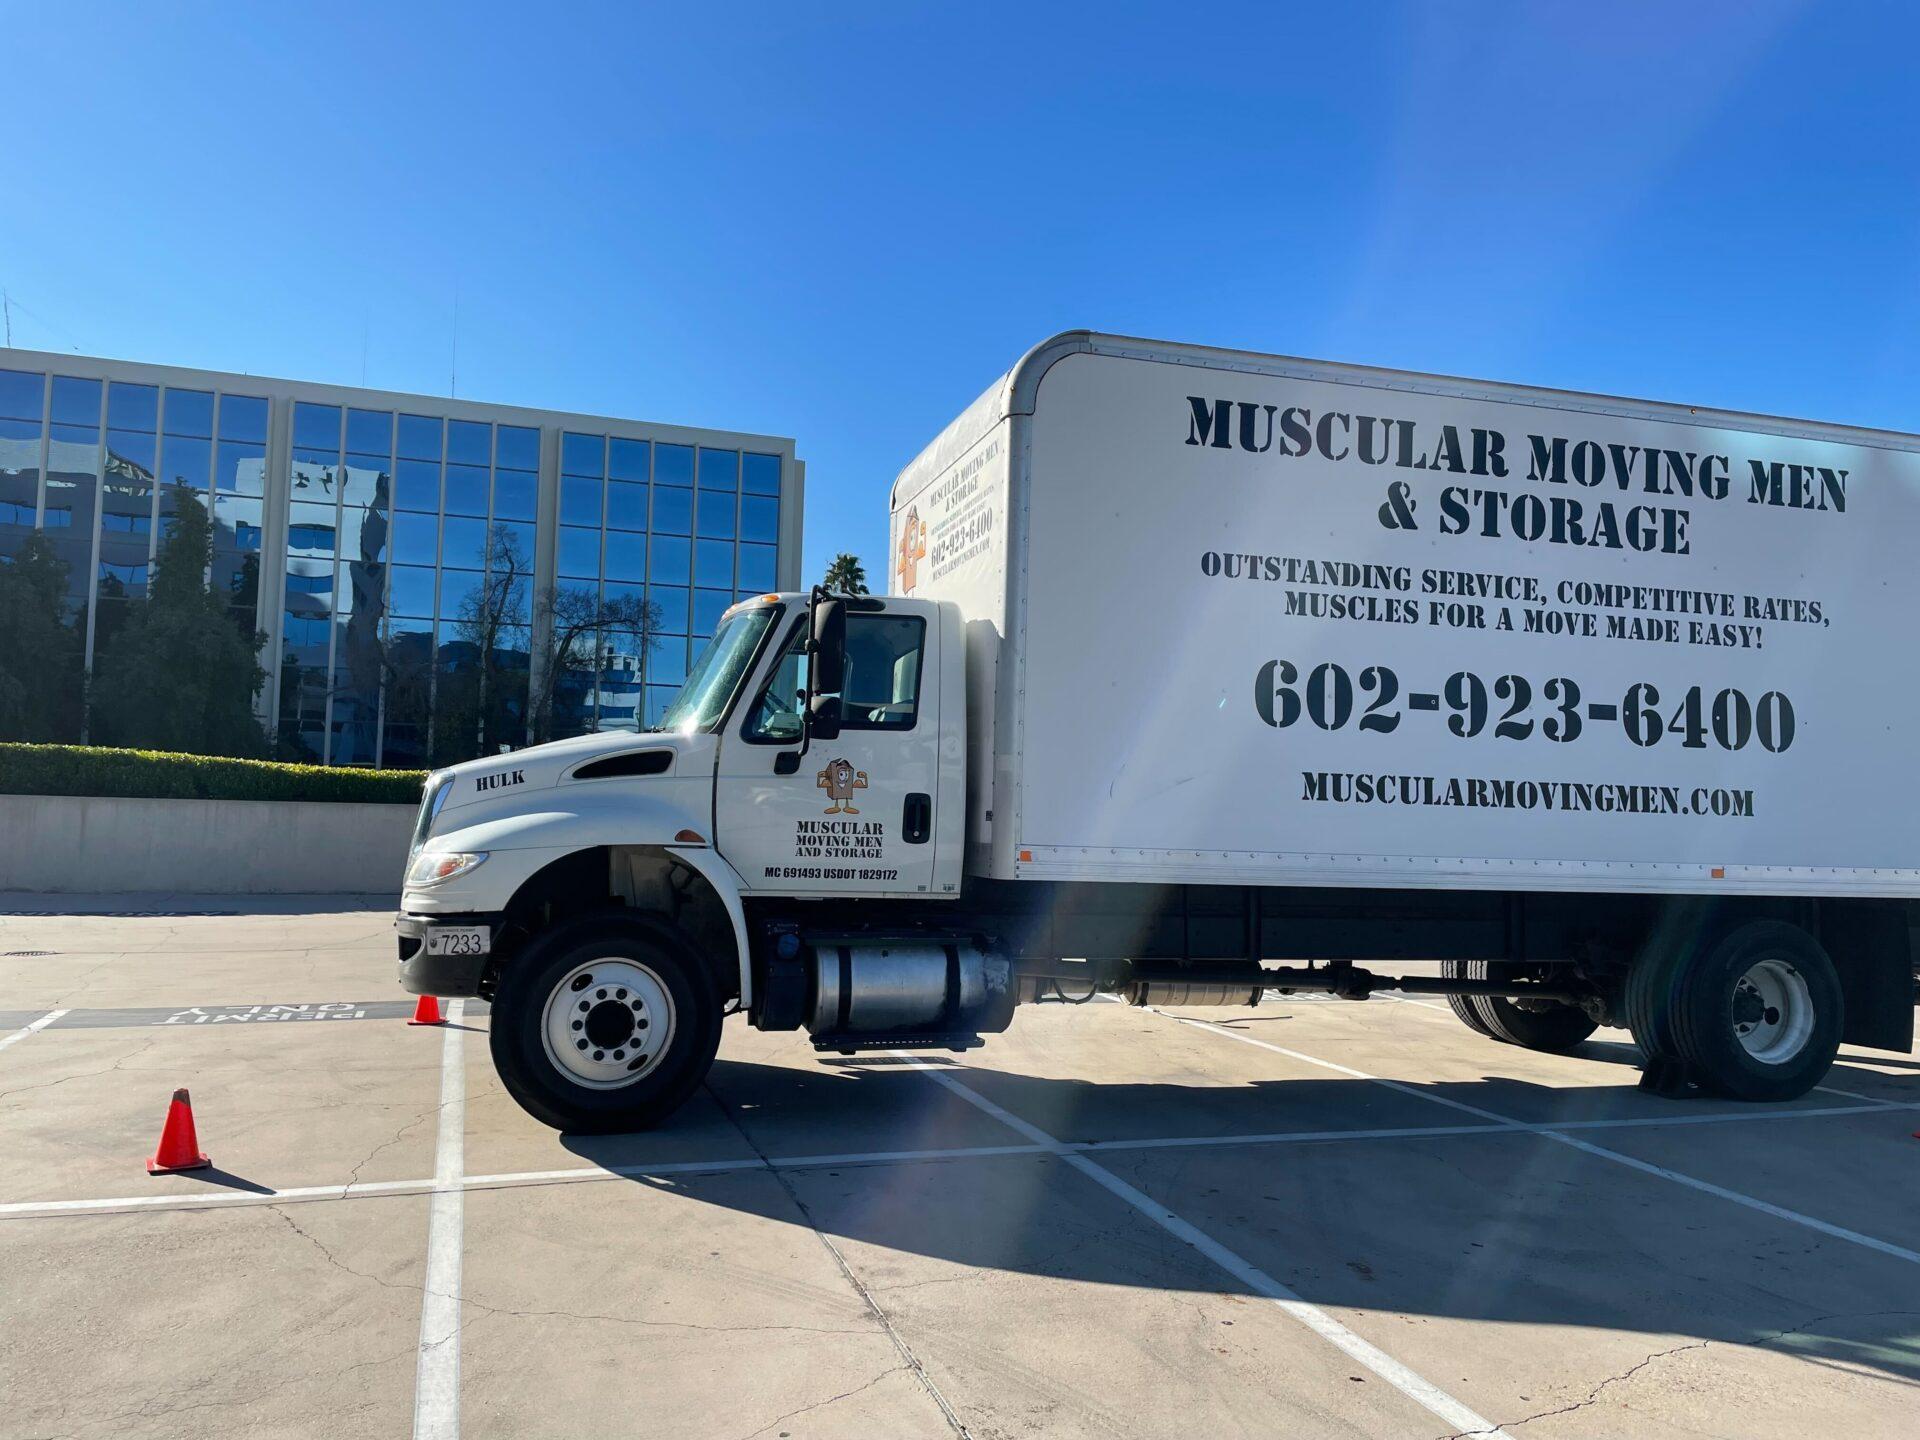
(434, 579)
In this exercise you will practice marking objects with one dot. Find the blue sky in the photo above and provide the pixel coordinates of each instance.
(752, 216)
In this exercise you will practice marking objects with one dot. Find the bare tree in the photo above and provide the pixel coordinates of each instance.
(583, 630)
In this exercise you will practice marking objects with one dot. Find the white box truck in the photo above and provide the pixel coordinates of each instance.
(1207, 674)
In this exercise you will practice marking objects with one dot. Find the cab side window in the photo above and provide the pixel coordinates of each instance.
(883, 672)
(883, 680)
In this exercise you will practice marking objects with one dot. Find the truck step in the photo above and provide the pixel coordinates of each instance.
(849, 1043)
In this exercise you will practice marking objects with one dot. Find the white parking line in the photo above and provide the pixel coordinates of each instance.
(25, 1030)
(589, 1174)
(1552, 1132)
(436, 1386)
(1415, 1387)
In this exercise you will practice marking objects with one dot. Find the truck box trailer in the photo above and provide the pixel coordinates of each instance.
(1205, 674)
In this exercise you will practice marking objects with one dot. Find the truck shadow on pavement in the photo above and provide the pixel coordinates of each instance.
(1505, 1226)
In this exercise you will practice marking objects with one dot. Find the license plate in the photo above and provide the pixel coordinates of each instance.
(457, 940)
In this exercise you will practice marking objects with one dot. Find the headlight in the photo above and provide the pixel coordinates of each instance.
(436, 867)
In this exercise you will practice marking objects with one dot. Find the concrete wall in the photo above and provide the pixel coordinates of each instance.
(95, 844)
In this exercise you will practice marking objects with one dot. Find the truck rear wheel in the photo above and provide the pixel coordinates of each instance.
(1464, 1007)
(605, 1024)
(1530, 1024)
(1759, 1016)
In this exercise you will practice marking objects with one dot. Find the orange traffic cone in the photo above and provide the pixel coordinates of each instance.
(179, 1146)
(427, 1012)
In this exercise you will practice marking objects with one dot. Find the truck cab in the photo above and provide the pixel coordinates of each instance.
(817, 749)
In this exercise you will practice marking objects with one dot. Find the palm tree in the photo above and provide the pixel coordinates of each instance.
(846, 575)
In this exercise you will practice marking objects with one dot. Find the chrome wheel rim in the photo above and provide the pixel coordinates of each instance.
(1772, 1012)
(608, 1023)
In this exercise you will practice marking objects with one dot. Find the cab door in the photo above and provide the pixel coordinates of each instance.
(856, 814)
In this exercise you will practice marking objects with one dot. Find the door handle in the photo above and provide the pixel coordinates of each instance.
(916, 819)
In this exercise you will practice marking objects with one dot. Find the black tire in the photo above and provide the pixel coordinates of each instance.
(1550, 1027)
(1732, 985)
(1649, 998)
(1464, 1010)
(549, 1092)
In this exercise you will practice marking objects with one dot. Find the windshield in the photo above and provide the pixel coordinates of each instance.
(718, 671)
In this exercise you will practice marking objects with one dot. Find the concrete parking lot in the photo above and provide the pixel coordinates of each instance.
(1309, 1218)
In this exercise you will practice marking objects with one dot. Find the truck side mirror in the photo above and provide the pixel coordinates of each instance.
(827, 652)
(823, 717)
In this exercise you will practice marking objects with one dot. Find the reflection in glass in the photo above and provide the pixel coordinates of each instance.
(458, 591)
(186, 462)
(310, 528)
(241, 469)
(519, 540)
(73, 457)
(366, 480)
(19, 482)
(237, 522)
(130, 455)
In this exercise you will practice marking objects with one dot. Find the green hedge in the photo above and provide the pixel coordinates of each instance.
(160, 774)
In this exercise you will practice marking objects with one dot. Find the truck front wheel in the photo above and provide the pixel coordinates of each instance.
(605, 1024)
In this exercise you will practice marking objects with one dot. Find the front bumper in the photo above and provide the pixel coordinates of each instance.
(446, 975)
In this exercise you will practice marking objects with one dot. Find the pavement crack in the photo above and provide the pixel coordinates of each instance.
(1592, 1395)
(1767, 1338)
(823, 1404)
(904, 1350)
(139, 1050)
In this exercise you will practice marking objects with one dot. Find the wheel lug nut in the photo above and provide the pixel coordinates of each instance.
(599, 1054)
(578, 1024)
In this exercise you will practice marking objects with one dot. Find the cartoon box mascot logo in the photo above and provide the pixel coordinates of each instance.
(840, 780)
(913, 549)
